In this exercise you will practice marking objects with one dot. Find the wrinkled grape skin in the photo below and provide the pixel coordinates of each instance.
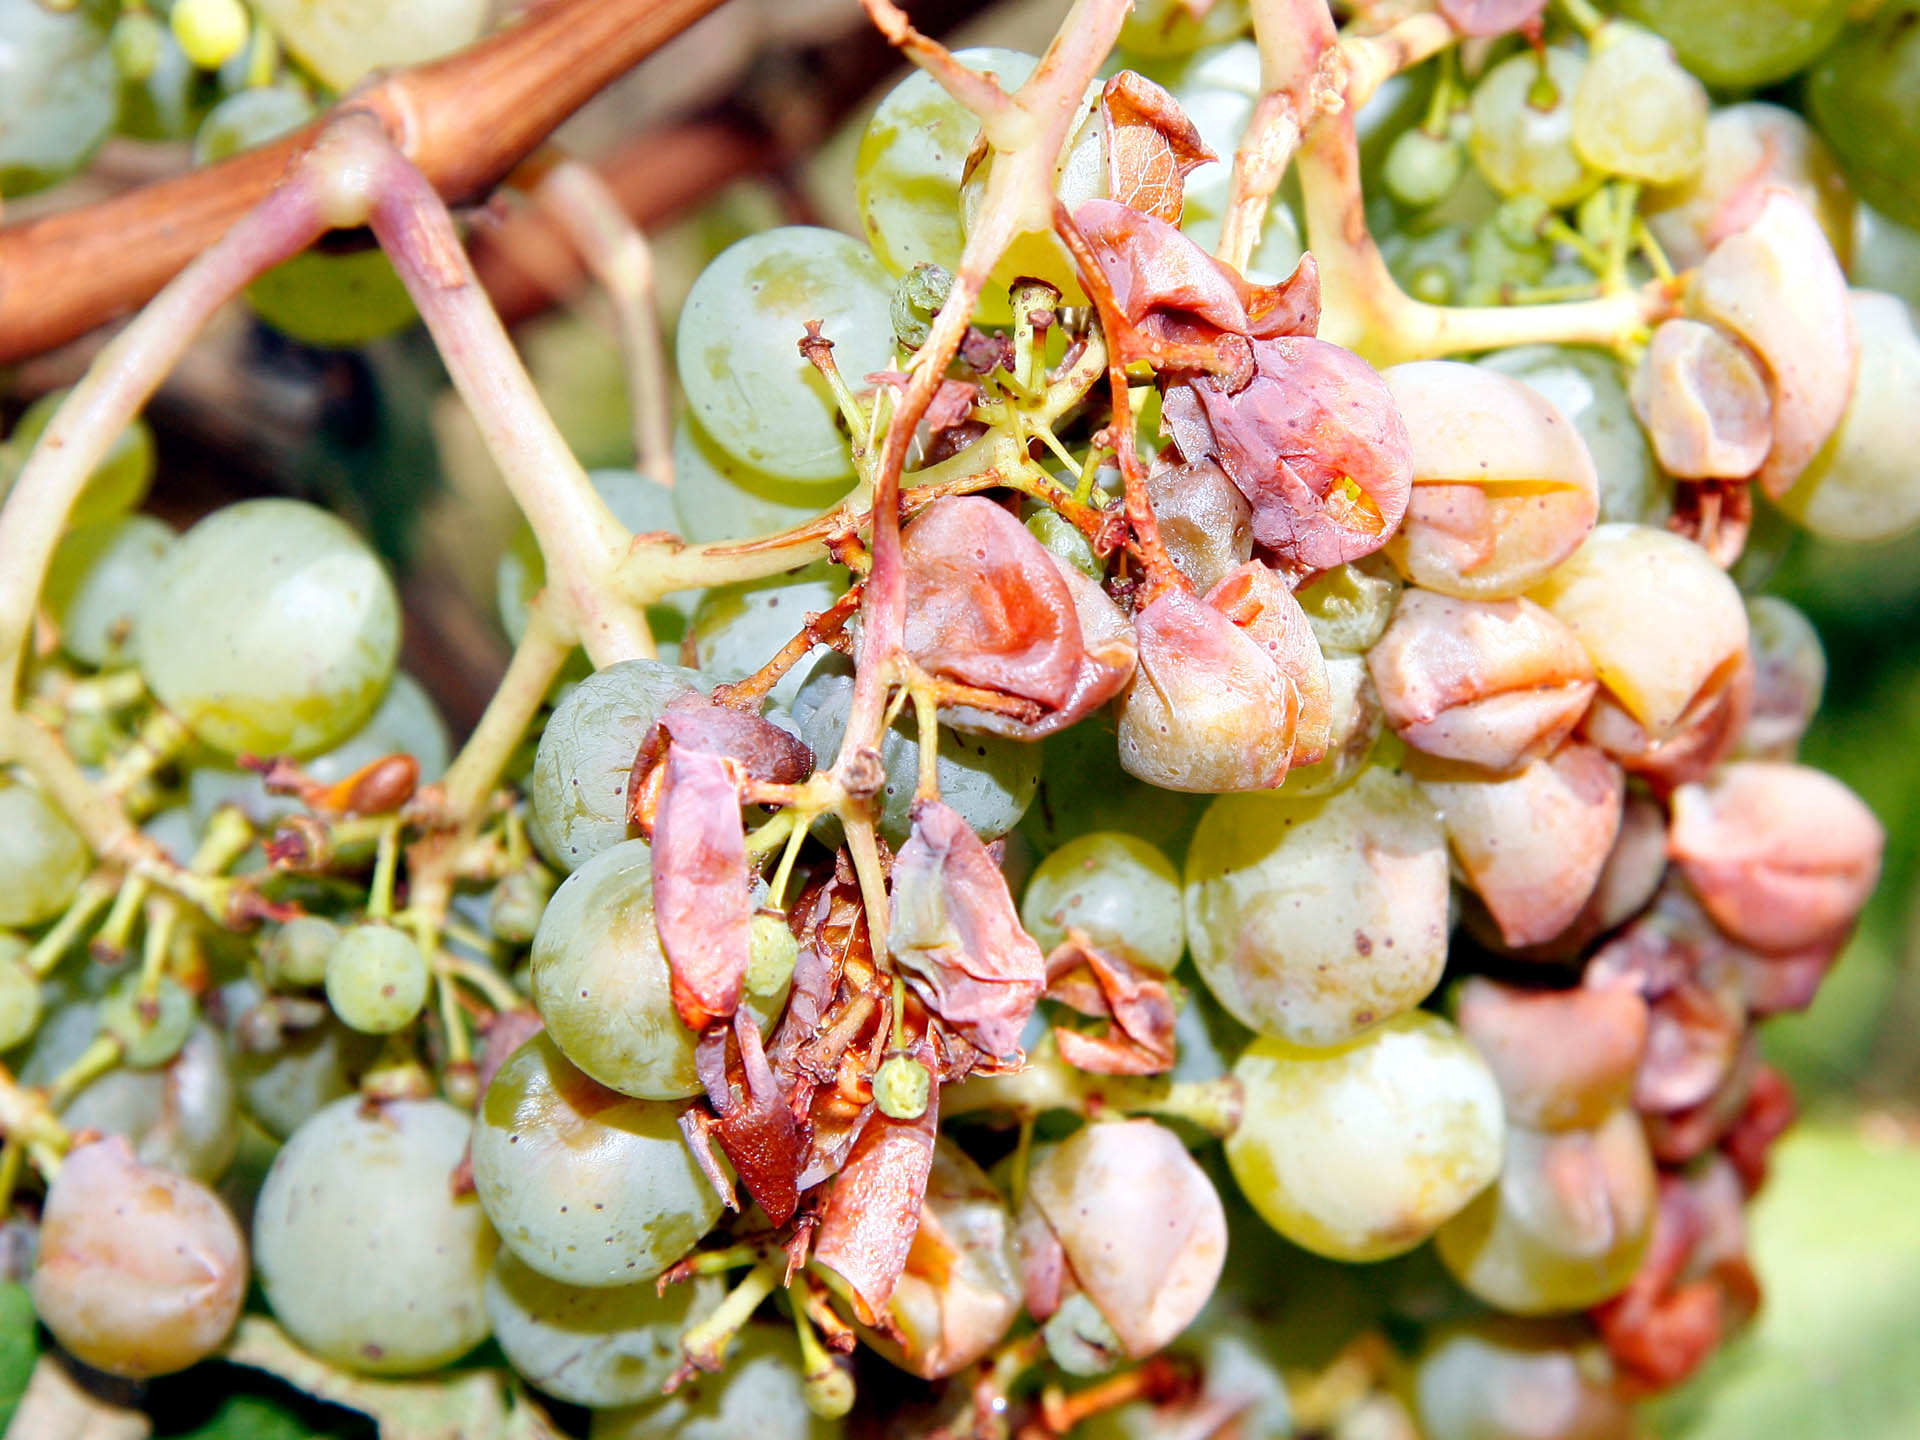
(1363, 1150)
(1312, 919)
(1118, 889)
(578, 789)
(598, 1347)
(42, 857)
(366, 1255)
(141, 1272)
(760, 1395)
(270, 628)
(587, 1186)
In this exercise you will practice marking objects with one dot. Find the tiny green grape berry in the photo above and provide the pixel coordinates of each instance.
(902, 1088)
(376, 979)
(150, 1029)
(19, 993)
(295, 955)
(136, 40)
(212, 32)
(1422, 169)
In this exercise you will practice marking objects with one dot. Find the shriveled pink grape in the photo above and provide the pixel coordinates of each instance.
(1205, 522)
(141, 1271)
(1704, 402)
(1565, 1059)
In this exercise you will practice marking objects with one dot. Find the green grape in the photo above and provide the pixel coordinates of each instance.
(1588, 388)
(988, 779)
(42, 857)
(169, 101)
(1115, 887)
(1421, 168)
(294, 954)
(19, 993)
(59, 90)
(1173, 27)
(376, 979)
(248, 118)
(180, 1115)
(1312, 919)
(1505, 253)
(737, 628)
(578, 790)
(587, 1186)
(210, 31)
(118, 484)
(907, 173)
(97, 585)
(1738, 48)
(1080, 175)
(718, 498)
(140, 1272)
(760, 1395)
(334, 300)
(1637, 113)
(1363, 1150)
(1567, 1225)
(1083, 789)
(1886, 256)
(1065, 542)
(270, 628)
(598, 1346)
(305, 1071)
(1349, 605)
(1523, 127)
(517, 903)
(152, 1029)
(755, 395)
(1431, 264)
(137, 40)
(638, 502)
(1862, 484)
(1495, 1378)
(367, 1255)
(342, 41)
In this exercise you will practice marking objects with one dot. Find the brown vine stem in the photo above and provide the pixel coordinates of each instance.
(466, 121)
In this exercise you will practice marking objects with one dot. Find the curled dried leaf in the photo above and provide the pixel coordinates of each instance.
(1097, 983)
(1152, 146)
(868, 1224)
(702, 904)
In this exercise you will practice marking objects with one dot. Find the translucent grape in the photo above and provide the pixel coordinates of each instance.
(295, 954)
(59, 90)
(738, 628)
(270, 628)
(19, 993)
(1355, 721)
(248, 118)
(341, 41)
(169, 100)
(760, 1394)
(1083, 789)
(907, 174)
(1349, 606)
(1172, 27)
(1790, 673)
(1080, 175)
(97, 585)
(1423, 168)
(150, 1029)
(136, 39)
(367, 1256)
(1760, 41)
(578, 789)
(42, 857)
(755, 395)
(118, 484)
(1115, 887)
(1637, 113)
(587, 1186)
(600, 1347)
(210, 31)
(718, 498)
(141, 1272)
(376, 979)
(1312, 919)
(1363, 1150)
(988, 779)
(1886, 256)
(1501, 1379)
(1523, 127)
(306, 1071)
(180, 1116)
(333, 299)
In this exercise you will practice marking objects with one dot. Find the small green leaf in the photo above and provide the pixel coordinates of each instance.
(19, 1347)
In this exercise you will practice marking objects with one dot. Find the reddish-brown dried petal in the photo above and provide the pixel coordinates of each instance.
(701, 904)
(1491, 17)
(871, 1215)
(762, 749)
(756, 1126)
(957, 935)
(1565, 1059)
(1151, 146)
(1141, 1041)
(1661, 1327)
(1769, 1111)
(986, 604)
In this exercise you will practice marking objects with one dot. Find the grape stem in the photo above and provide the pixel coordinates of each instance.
(27, 1118)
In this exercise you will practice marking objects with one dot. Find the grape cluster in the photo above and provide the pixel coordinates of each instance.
(1124, 701)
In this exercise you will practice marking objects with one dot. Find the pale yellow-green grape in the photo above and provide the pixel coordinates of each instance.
(1173, 27)
(1566, 1226)
(1082, 789)
(1080, 176)
(1623, 593)
(59, 89)
(760, 1395)
(1589, 388)
(376, 979)
(333, 300)
(301, 1072)
(368, 1256)
(912, 155)
(342, 41)
(1637, 113)
(1747, 45)
(169, 100)
(42, 857)
(1313, 919)
(1355, 721)
(1523, 127)
(140, 1271)
(600, 1346)
(97, 585)
(1496, 1378)
(180, 1116)
(1504, 487)
(1349, 606)
(210, 31)
(578, 789)
(294, 955)
(587, 1186)
(738, 344)
(250, 117)
(1363, 1150)
(1864, 484)
(19, 993)
(118, 484)
(150, 1030)
(1749, 145)
(1789, 676)
(270, 628)
(1116, 888)
(737, 628)
(716, 497)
